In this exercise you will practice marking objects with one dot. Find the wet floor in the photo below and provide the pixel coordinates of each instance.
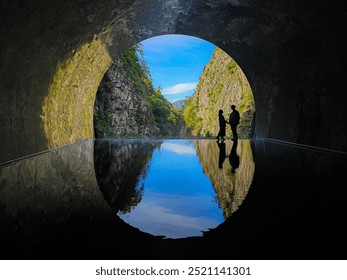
(174, 199)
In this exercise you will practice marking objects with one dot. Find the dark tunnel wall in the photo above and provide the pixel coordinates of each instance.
(53, 55)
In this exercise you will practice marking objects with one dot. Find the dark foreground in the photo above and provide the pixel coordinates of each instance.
(52, 208)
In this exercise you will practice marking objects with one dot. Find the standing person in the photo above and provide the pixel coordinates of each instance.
(234, 120)
(222, 125)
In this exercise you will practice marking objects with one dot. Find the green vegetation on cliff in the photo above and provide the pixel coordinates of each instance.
(127, 104)
(137, 70)
(221, 85)
(164, 112)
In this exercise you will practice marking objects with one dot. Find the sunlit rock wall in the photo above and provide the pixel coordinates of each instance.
(67, 113)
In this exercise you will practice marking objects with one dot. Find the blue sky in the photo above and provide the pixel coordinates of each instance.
(176, 63)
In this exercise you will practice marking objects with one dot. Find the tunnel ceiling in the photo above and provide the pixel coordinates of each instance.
(293, 54)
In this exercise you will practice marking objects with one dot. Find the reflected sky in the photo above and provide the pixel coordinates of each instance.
(179, 199)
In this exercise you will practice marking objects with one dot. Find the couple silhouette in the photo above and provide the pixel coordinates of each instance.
(234, 159)
(234, 120)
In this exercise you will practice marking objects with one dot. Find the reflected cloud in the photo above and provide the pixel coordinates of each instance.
(178, 148)
(164, 216)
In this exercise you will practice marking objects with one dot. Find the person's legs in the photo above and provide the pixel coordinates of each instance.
(234, 131)
(222, 133)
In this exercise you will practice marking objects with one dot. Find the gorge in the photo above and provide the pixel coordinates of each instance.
(128, 105)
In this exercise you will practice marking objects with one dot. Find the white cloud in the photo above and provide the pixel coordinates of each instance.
(179, 88)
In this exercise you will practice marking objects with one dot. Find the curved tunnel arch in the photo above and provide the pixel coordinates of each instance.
(280, 47)
(292, 53)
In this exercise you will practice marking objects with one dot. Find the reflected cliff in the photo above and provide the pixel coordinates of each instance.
(120, 167)
(230, 167)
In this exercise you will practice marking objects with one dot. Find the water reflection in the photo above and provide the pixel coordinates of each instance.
(53, 193)
(68, 201)
(120, 166)
(172, 188)
(64, 203)
(234, 158)
(231, 182)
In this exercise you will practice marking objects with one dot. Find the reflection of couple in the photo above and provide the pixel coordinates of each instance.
(234, 159)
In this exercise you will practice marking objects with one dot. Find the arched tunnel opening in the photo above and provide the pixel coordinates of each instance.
(53, 57)
(173, 86)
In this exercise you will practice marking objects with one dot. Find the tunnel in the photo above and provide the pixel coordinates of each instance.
(53, 55)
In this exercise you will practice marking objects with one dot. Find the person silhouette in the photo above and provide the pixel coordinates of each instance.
(222, 125)
(234, 120)
(222, 154)
(234, 159)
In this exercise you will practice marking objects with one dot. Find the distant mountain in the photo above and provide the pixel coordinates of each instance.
(179, 104)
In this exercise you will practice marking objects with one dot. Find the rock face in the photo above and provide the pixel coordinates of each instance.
(119, 109)
(222, 84)
(127, 104)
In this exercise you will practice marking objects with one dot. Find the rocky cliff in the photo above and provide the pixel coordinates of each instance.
(127, 104)
(221, 85)
(119, 109)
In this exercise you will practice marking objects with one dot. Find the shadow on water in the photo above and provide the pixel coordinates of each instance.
(62, 204)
